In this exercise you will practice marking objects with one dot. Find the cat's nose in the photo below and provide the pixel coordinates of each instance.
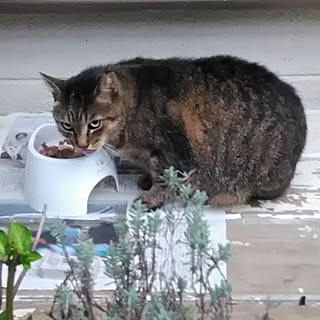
(82, 142)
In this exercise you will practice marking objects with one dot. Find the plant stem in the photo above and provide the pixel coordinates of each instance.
(10, 295)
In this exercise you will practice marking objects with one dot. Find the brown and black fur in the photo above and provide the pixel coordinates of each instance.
(240, 126)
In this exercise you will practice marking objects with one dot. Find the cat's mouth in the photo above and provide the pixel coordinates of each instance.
(88, 151)
(90, 148)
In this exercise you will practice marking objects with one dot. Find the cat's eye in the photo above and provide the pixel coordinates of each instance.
(66, 126)
(95, 124)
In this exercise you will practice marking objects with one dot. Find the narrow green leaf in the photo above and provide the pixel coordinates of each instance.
(4, 245)
(20, 237)
(29, 318)
(224, 252)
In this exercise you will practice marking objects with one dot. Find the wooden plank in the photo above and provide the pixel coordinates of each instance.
(24, 96)
(303, 196)
(250, 3)
(72, 6)
(97, 1)
(248, 311)
(282, 312)
(274, 258)
(31, 95)
(62, 44)
(276, 244)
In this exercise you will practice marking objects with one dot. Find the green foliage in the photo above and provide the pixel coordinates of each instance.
(4, 246)
(186, 191)
(14, 246)
(20, 237)
(134, 266)
(128, 264)
(14, 251)
(224, 252)
(64, 299)
(197, 234)
(77, 286)
(84, 251)
(198, 199)
(132, 262)
(28, 257)
(3, 315)
(221, 291)
(156, 310)
(130, 296)
(172, 176)
(203, 261)
(119, 263)
(57, 229)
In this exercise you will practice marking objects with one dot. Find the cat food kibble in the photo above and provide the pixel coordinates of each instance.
(62, 151)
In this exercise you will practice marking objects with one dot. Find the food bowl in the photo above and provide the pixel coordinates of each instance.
(63, 185)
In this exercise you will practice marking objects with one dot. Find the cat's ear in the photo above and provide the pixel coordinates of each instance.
(56, 85)
(108, 87)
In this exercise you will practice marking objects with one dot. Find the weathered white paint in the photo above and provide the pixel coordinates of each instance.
(233, 216)
(24, 96)
(305, 228)
(290, 216)
(239, 243)
(287, 41)
(18, 313)
(33, 96)
(302, 199)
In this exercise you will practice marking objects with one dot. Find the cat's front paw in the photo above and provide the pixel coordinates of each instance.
(153, 200)
(145, 182)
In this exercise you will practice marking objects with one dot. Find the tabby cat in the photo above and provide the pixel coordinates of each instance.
(236, 123)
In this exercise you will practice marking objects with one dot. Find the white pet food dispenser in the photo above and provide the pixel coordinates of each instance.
(63, 185)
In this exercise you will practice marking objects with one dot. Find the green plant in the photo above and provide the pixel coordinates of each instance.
(132, 262)
(146, 287)
(77, 286)
(203, 261)
(14, 251)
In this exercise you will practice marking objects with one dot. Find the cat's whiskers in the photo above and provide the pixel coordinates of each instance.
(109, 146)
(111, 149)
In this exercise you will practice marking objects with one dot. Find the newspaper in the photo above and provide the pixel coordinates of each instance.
(15, 131)
(50, 270)
(104, 205)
